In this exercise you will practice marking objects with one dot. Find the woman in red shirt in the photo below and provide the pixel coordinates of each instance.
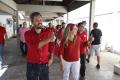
(70, 52)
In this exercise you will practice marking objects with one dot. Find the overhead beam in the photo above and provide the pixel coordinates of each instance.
(55, 0)
(7, 9)
(28, 1)
(76, 5)
(41, 8)
(44, 14)
(47, 12)
(9, 3)
(67, 2)
(82, 0)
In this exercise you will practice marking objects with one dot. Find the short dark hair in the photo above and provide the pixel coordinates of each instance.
(32, 15)
(79, 24)
(95, 24)
(63, 22)
(20, 25)
(84, 22)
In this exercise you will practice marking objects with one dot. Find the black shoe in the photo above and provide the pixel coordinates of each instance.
(87, 60)
(82, 78)
(98, 66)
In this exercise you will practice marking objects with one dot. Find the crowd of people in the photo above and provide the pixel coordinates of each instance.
(70, 43)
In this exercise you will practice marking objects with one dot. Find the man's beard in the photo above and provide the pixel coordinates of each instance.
(39, 26)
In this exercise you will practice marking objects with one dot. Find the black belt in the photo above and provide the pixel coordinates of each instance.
(41, 64)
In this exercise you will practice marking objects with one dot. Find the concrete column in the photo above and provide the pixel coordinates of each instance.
(67, 18)
(17, 22)
(92, 14)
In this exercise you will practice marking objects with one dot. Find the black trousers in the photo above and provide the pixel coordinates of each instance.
(37, 71)
(83, 64)
(23, 48)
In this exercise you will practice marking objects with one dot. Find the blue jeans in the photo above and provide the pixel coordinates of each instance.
(23, 48)
(1, 53)
(37, 71)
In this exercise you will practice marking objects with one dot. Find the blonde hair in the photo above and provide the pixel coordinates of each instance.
(67, 30)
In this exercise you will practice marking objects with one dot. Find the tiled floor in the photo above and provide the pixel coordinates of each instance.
(17, 65)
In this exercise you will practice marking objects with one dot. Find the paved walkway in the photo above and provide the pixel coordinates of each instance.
(17, 65)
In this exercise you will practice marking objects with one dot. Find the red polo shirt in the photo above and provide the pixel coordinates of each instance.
(52, 29)
(59, 38)
(51, 44)
(2, 35)
(35, 54)
(60, 34)
(83, 36)
(72, 51)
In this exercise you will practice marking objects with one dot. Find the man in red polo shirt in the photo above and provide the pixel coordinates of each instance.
(51, 44)
(83, 49)
(38, 40)
(3, 36)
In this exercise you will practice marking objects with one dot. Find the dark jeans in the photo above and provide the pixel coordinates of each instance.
(37, 71)
(83, 64)
(23, 48)
(1, 53)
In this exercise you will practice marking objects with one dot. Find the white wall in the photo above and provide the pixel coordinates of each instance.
(9, 29)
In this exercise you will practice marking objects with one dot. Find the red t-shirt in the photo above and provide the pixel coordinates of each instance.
(35, 54)
(83, 36)
(72, 51)
(2, 35)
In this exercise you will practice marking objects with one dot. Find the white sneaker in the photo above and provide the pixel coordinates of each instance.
(4, 66)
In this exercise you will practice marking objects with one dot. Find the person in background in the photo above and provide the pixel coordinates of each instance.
(95, 38)
(60, 33)
(31, 26)
(3, 37)
(57, 42)
(51, 44)
(59, 36)
(23, 46)
(58, 27)
(84, 24)
(37, 40)
(18, 29)
(51, 27)
(83, 50)
(70, 52)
